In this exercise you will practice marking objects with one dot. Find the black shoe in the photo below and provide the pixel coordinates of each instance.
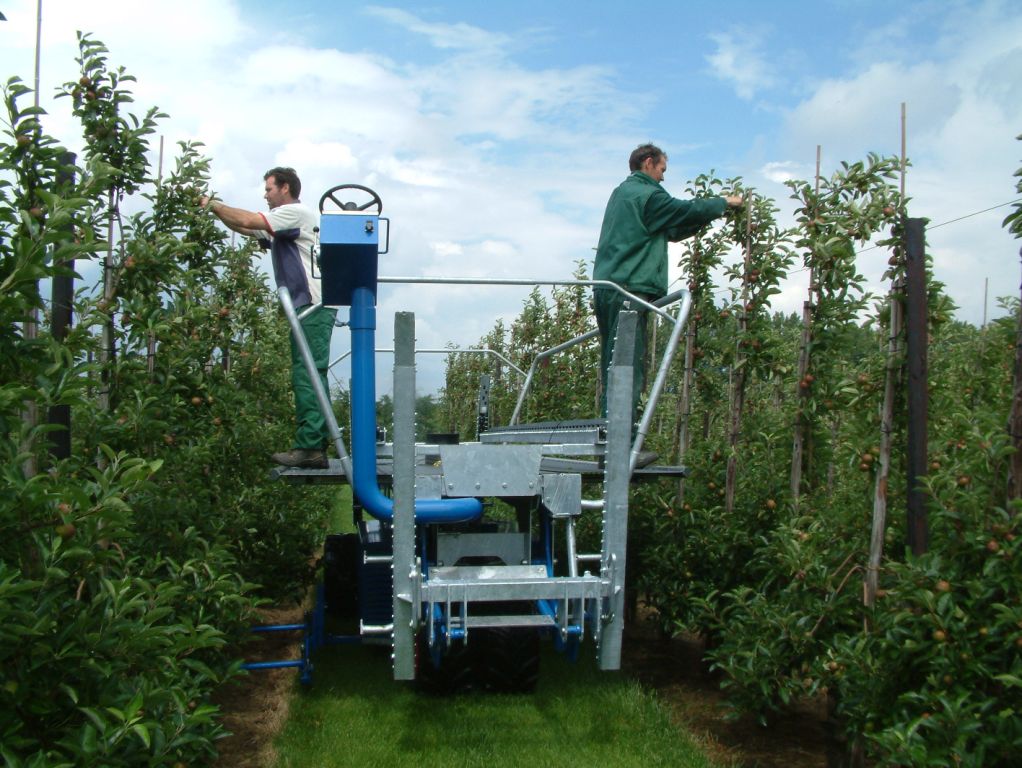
(304, 458)
(645, 458)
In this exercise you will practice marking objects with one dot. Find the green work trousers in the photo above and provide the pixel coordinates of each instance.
(312, 432)
(608, 303)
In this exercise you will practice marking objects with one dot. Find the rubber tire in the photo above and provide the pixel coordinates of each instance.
(507, 659)
(340, 575)
(454, 675)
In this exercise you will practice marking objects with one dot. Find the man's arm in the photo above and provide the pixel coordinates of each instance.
(238, 219)
(681, 219)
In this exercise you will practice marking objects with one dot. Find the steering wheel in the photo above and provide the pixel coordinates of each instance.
(351, 205)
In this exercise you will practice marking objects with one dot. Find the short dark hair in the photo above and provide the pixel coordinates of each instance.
(643, 152)
(287, 176)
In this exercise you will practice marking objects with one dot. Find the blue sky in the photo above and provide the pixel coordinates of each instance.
(495, 131)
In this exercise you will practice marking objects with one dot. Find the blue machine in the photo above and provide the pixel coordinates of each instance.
(462, 599)
(348, 256)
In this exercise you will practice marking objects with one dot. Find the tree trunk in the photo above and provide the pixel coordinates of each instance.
(1015, 417)
(738, 375)
(798, 443)
(106, 351)
(681, 438)
(734, 433)
(876, 544)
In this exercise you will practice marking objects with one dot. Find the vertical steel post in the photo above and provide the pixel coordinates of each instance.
(615, 488)
(916, 336)
(404, 495)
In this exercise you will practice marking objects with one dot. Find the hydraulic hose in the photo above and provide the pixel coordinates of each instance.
(363, 427)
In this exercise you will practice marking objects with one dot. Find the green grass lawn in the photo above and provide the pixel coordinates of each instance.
(355, 714)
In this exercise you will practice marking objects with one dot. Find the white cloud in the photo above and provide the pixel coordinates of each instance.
(491, 165)
(964, 109)
(780, 172)
(738, 60)
(444, 36)
(421, 172)
(333, 156)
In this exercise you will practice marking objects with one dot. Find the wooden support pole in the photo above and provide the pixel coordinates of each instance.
(801, 426)
(916, 347)
(1015, 417)
(62, 297)
(739, 372)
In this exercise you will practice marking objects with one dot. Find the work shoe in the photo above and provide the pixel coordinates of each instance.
(305, 458)
(645, 458)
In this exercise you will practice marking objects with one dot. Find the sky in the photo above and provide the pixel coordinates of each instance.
(494, 132)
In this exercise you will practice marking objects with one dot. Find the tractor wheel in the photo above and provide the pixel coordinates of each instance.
(507, 659)
(453, 674)
(340, 575)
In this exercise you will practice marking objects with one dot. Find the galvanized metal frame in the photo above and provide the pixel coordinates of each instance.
(443, 351)
(601, 597)
(403, 564)
(565, 447)
(448, 591)
(615, 489)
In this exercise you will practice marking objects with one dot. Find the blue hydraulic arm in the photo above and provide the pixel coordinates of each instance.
(349, 254)
(363, 427)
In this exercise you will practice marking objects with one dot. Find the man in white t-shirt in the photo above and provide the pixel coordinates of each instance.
(290, 226)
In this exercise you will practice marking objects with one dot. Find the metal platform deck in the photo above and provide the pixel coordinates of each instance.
(590, 471)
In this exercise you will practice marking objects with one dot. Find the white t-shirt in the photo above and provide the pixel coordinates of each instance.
(292, 239)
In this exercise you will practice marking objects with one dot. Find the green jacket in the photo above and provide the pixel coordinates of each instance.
(640, 219)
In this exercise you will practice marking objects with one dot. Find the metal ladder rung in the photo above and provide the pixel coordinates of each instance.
(333, 474)
(587, 432)
(529, 620)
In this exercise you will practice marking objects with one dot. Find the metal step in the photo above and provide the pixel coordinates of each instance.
(590, 469)
(530, 620)
(485, 572)
(501, 583)
(570, 432)
(332, 475)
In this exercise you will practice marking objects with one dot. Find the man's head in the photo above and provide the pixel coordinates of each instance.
(649, 159)
(282, 186)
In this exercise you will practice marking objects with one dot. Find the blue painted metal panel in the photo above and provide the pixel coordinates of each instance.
(348, 255)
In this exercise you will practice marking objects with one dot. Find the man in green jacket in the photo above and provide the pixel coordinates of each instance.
(640, 219)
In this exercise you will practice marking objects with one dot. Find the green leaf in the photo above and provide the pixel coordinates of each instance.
(142, 733)
(89, 740)
(1011, 680)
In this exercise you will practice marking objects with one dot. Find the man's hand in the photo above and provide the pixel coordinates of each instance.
(246, 222)
(734, 201)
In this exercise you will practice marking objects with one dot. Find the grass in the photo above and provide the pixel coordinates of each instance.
(355, 714)
(339, 518)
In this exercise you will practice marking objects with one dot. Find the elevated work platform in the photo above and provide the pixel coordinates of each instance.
(592, 470)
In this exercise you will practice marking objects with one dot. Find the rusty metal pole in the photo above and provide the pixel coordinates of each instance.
(916, 348)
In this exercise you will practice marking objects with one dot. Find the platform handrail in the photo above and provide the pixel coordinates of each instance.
(652, 307)
(657, 306)
(322, 396)
(443, 351)
(664, 301)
